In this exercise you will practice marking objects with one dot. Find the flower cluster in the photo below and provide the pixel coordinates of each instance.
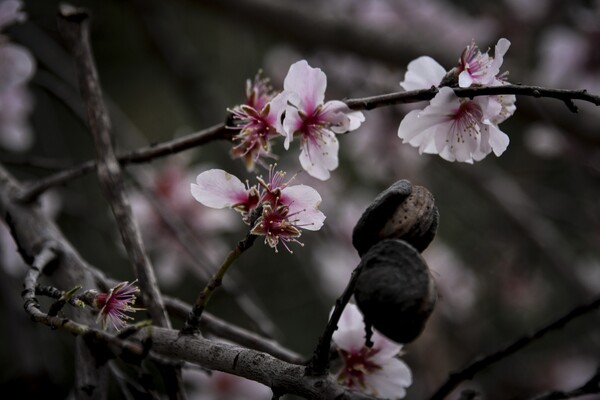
(283, 209)
(459, 129)
(114, 304)
(298, 111)
(16, 68)
(374, 370)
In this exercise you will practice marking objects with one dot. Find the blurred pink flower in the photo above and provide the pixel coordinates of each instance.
(285, 208)
(114, 304)
(374, 370)
(314, 121)
(17, 66)
(10, 12)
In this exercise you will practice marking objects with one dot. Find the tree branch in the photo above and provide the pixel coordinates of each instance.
(413, 96)
(472, 369)
(74, 28)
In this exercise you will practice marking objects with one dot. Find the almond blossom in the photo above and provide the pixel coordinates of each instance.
(114, 304)
(459, 129)
(476, 68)
(315, 122)
(258, 120)
(375, 370)
(284, 209)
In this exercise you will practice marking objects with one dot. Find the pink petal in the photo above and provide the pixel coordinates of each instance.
(423, 73)
(216, 188)
(319, 156)
(350, 334)
(341, 117)
(465, 79)
(391, 380)
(303, 201)
(291, 124)
(499, 52)
(309, 83)
(387, 348)
(277, 106)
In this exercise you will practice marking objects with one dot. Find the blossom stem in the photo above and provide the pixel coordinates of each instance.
(192, 324)
(319, 363)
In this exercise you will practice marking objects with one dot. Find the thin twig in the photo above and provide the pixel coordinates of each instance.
(219, 131)
(230, 332)
(319, 363)
(191, 325)
(369, 103)
(192, 245)
(74, 28)
(477, 366)
(142, 155)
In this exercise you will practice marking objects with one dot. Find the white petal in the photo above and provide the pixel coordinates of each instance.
(498, 140)
(350, 334)
(387, 348)
(465, 79)
(277, 106)
(303, 201)
(319, 156)
(423, 73)
(219, 189)
(309, 83)
(341, 117)
(391, 380)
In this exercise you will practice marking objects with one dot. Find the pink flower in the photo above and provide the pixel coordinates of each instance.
(374, 370)
(315, 122)
(285, 208)
(114, 304)
(459, 129)
(10, 12)
(259, 121)
(456, 129)
(479, 68)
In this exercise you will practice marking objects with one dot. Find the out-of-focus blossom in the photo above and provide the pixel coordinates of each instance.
(217, 385)
(458, 286)
(258, 120)
(459, 129)
(114, 304)
(16, 68)
(314, 121)
(544, 140)
(375, 370)
(285, 208)
(10, 12)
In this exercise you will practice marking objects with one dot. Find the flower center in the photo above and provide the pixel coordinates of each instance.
(356, 366)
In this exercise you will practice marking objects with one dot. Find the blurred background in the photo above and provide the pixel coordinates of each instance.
(518, 240)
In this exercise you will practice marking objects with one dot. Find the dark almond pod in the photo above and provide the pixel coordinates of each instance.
(402, 211)
(395, 290)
